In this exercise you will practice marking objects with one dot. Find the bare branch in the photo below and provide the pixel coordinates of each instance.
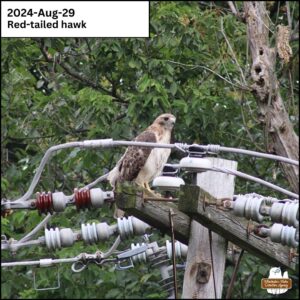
(77, 75)
(288, 12)
(243, 87)
(295, 33)
(232, 52)
(233, 8)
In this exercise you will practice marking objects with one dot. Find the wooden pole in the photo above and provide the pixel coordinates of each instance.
(203, 278)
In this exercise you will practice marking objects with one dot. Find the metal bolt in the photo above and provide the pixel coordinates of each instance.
(227, 203)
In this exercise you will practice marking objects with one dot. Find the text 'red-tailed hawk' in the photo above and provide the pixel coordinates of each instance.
(140, 164)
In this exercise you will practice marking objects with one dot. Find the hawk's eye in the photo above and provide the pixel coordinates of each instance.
(166, 118)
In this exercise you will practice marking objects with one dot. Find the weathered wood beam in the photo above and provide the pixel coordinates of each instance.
(129, 198)
(193, 202)
(205, 264)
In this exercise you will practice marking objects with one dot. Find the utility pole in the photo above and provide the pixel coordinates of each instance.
(203, 278)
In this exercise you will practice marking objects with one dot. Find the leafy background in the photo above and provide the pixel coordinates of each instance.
(95, 88)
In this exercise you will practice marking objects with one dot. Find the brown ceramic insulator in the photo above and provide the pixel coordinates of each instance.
(82, 198)
(44, 203)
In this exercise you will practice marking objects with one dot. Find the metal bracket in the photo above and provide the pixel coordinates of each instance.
(120, 266)
(46, 288)
(126, 256)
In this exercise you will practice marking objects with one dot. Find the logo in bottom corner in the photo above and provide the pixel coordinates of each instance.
(276, 283)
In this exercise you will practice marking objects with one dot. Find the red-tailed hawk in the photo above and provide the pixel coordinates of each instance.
(142, 164)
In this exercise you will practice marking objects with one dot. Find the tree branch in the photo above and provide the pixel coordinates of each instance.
(243, 87)
(232, 52)
(77, 75)
(232, 7)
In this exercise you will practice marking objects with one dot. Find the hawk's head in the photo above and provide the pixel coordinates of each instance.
(167, 121)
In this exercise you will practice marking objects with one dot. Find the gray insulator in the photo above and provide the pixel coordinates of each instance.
(104, 231)
(275, 232)
(127, 227)
(66, 237)
(93, 233)
(89, 233)
(285, 213)
(97, 197)
(59, 201)
(289, 214)
(180, 249)
(57, 238)
(167, 183)
(275, 211)
(139, 258)
(248, 206)
(52, 238)
(283, 234)
(297, 234)
(239, 206)
(288, 236)
(140, 227)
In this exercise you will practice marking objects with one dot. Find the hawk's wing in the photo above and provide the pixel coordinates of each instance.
(135, 157)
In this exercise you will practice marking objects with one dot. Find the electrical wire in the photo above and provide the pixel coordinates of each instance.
(51, 150)
(255, 179)
(100, 179)
(36, 229)
(17, 244)
(105, 143)
(251, 153)
(50, 261)
(41, 262)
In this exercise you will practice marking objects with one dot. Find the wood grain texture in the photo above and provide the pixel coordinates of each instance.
(282, 138)
(219, 185)
(233, 228)
(129, 198)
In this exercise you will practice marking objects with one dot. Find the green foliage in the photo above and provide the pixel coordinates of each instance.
(116, 87)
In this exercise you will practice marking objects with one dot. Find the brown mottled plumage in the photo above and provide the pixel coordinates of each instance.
(140, 164)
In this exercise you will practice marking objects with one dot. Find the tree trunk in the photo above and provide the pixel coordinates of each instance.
(283, 139)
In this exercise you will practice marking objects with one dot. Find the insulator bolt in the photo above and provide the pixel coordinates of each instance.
(227, 204)
(32, 204)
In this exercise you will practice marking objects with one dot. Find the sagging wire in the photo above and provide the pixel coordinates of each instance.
(197, 164)
(256, 179)
(92, 184)
(33, 232)
(218, 148)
